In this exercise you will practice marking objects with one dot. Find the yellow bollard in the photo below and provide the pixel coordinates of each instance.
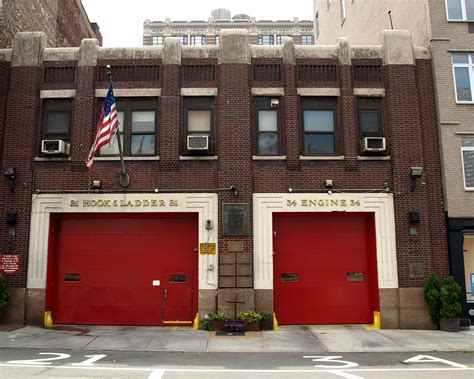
(196, 322)
(275, 322)
(48, 319)
(376, 324)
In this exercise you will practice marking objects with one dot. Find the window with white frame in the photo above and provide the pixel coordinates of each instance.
(343, 11)
(182, 39)
(157, 40)
(307, 39)
(463, 69)
(198, 40)
(460, 9)
(279, 40)
(467, 150)
(265, 40)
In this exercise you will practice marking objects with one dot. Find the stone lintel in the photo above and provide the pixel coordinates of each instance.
(57, 93)
(263, 91)
(369, 92)
(130, 92)
(198, 91)
(319, 91)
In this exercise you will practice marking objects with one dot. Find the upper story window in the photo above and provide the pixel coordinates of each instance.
(279, 39)
(198, 126)
(198, 40)
(268, 126)
(265, 40)
(57, 119)
(319, 126)
(369, 112)
(182, 39)
(463, 67)
(157, 40)
(467, 150)
(460, 9)
(307, 39)
(137, 128)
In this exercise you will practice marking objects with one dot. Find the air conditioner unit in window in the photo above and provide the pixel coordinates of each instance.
(373, 145)
(198, 142)
(54, 146)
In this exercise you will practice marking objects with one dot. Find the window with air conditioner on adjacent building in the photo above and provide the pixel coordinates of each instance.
(56, 126)
(463, 68)
(460, 9)
(198, 126)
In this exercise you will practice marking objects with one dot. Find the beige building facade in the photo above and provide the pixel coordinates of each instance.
(446, 27)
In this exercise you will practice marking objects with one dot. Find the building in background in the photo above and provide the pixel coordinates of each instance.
(282, 179)
(64, 22)
(446, 27)
(199, 33)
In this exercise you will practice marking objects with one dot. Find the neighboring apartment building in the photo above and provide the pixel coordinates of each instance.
(447, 28)
(255, 181)
(64, 22)
(199, 33)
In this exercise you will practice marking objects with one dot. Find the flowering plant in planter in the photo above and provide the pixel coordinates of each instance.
(214, 321)
(252, 320)
(234, 326)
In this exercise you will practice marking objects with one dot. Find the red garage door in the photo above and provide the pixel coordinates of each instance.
(123, 270)
(324, 268)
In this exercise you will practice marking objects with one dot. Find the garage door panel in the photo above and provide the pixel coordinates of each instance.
(118, 260)
(333, 256)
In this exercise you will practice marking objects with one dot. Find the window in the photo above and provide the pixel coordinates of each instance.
(460, 9)
(157, 40)
(57, 119)
(307, 39)
(182, 39)
(369, 111)
(467, 150)
(267, 126)
(279, 39)
(463, 67)
(198, 40)
(319, 120)
(265, 40)
(137, 129)
(217, 40)
(343, 11)
(198, 122)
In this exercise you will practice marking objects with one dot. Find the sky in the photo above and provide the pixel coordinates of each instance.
(121, 21)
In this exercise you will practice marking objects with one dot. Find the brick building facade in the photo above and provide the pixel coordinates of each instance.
(287, 139)
(64, 22)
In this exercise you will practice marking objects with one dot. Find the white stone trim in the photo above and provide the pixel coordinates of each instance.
(321, 157)
(57, 93)
(198, 91)
(130, 92)
(205, 204)
(318, 91)
(262, 91)
(369, 92)
(269, 157)
(264, 204)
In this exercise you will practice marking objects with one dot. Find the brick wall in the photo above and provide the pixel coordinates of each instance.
(61, 20)
(409, 126)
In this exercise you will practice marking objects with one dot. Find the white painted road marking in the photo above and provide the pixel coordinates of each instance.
(92, 359)
(332, 359)
(430, 359)
(156, 374)
(42, 360)
(344, 374)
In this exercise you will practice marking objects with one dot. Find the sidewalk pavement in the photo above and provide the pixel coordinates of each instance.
(291, 339)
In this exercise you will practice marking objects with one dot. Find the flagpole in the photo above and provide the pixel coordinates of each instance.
(124, 176)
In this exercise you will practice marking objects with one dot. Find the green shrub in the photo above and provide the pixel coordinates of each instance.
(3, 294)
(432, 292)
(449, 294)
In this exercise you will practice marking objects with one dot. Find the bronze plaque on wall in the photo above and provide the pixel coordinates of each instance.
(235, 219)
(235, 246)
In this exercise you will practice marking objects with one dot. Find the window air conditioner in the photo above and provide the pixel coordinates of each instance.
(373, 144)
(54, 146)
(198, 142)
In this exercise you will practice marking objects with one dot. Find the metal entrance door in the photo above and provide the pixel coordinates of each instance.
(177, 297)
(324, 268)
(108, 269)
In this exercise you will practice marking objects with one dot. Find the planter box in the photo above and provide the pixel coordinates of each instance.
(449, 325)
(217, 325)
(267, 324)
(252, 326)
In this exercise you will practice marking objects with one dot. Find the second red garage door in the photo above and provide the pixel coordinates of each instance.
(324, 268)
(123, 270)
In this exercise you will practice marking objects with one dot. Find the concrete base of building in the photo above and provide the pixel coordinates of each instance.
(35, 306)
(15, 311)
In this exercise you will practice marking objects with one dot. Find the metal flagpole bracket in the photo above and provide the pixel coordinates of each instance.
(124, 179)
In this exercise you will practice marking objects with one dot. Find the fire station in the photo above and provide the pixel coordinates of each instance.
(299, 180)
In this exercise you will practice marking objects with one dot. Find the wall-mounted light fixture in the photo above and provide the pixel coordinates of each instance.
(10, 174)
(415, 173)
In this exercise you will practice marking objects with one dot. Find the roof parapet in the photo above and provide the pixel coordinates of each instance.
(28, 49)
